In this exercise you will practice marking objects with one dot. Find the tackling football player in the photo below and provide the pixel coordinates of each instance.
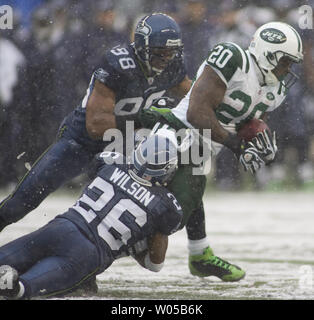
(125, 206)
(127, 81)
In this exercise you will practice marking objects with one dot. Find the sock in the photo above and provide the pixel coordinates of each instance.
(197, 246)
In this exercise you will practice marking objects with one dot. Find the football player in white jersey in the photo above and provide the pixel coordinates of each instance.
(231, 87)
(234, 85)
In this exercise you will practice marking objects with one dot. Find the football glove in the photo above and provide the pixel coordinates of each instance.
(251, 159)
(266, 144)
(138, 247)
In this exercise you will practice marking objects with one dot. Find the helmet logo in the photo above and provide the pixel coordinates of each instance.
(273, 35)
(143, 29)
(270, 96)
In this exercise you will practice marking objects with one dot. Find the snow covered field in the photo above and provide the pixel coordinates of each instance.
(270, 235)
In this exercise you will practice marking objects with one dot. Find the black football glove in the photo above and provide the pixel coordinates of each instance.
(265, 142)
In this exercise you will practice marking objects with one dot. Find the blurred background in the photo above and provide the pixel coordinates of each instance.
(47, 59)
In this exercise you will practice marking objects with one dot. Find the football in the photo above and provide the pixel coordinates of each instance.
(250, 129)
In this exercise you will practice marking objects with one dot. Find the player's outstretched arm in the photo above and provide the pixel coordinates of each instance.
(100, 111)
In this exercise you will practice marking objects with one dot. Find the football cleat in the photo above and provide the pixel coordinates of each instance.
(207, 264)
(9, 283)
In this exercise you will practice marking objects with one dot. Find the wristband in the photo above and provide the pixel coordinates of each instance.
(155, 267)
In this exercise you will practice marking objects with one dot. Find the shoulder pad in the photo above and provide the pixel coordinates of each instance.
(116, 68)
(101, 75)
(177, 212)
(122, 59)
(109, 158)
(226, 58)
(102, 160)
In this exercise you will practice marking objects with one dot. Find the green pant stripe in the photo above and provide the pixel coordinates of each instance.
(70, 289)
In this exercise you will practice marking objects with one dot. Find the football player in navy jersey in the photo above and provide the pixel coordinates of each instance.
(126, 210)
(127, 81)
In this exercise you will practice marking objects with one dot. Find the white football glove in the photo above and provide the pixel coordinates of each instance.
(138, 247)
(266, 145)
(251, 159)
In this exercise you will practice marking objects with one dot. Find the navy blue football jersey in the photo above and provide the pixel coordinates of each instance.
(120, 71)
(115, 211)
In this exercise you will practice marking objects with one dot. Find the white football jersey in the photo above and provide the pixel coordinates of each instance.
(244, 98)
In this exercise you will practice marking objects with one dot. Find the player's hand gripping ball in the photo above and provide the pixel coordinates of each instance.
(258, 132)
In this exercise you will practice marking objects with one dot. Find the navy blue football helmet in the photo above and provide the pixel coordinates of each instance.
(157, 41)
(155, 159)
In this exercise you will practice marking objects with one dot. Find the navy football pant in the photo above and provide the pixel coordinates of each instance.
(53, 260)
(62, 162)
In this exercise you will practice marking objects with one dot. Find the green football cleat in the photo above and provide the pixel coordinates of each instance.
(207, 264)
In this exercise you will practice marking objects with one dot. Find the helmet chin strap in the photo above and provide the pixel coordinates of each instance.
(153, 69)
(150, 71)
(146, 65)
(264, 76)
(157, 71)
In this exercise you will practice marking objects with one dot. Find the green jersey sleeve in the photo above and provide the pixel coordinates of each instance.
(226, 58)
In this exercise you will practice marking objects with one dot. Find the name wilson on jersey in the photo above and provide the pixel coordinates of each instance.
(140, 193)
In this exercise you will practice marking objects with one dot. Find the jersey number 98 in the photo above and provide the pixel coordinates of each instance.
(126, 62)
